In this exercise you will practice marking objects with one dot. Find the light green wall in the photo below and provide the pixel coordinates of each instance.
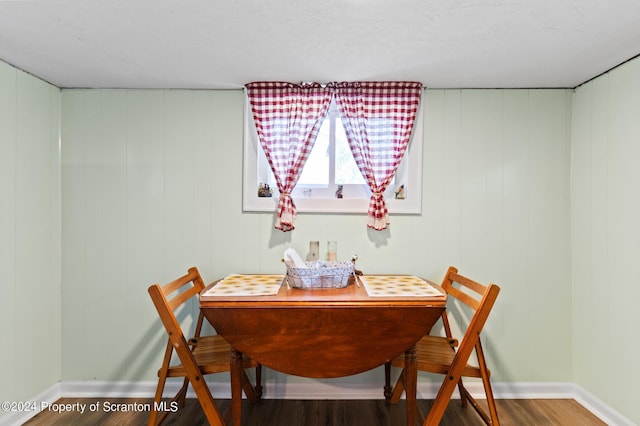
(605, 227)
(29, 235)
(152, 185)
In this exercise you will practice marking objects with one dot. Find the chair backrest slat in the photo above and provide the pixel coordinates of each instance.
(482, 313)
(167, 305)
(192, 279)
(473, 294)
(480, 298)
(177, 283)
(181, 298)
(467, 282)
(463, 297)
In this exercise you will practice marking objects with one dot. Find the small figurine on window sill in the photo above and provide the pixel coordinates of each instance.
(339, 191)
(400, 193)
(264, 190)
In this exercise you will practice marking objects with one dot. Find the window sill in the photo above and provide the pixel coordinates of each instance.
(332, 205)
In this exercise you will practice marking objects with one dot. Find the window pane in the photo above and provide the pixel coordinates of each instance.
(316, 169)
(347, 172)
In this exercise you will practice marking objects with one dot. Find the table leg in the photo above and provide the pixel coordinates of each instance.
(411, 384)
(236, 387)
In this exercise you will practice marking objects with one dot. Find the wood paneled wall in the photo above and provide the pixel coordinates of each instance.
(152, 185)
(606, 236)
(30, 250)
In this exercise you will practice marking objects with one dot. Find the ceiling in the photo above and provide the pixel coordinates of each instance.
(202, 44)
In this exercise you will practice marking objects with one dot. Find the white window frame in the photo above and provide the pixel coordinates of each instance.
(251, 202)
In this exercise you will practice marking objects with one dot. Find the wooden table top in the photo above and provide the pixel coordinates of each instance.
(353, 295)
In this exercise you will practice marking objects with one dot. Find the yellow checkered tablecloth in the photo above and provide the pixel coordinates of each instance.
(398, 285)
(246, 285)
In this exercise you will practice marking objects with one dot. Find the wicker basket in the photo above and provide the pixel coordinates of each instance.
(320, 275)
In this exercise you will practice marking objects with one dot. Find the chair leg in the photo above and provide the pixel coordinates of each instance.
(463, 393)
(387, 380)
(442, 401)
(467, 396)
(253, 391)
(248, 388)
(258, 386)
(153, 415)
(206, 401)
(182, 393)
(156, 418)
(226, 416)
(493, 410)
(486, 382)
(398, 389)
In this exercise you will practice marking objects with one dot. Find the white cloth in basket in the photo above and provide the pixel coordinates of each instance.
(293, 259)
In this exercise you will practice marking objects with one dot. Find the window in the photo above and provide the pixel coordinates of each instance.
(329, 166)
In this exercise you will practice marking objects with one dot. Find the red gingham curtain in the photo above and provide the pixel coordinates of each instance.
(378, 119)
(287, 117)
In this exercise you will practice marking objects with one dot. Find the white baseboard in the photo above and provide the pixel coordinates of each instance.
(315, 390)
(35, 405)
(600, 409)
(319, 390)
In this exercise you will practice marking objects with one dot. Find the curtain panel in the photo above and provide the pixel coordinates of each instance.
(287, 117)
(378, 119)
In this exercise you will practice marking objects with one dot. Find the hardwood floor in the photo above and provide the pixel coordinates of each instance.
(278, 412)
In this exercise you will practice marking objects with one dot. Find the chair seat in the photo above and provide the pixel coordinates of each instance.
(435, 354)
(212, 355)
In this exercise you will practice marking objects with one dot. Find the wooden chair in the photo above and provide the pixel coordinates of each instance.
(199, 355)
(447, 356)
